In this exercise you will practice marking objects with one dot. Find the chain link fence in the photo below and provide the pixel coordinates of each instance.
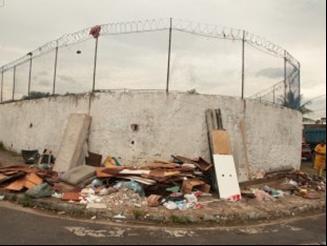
(166, 54)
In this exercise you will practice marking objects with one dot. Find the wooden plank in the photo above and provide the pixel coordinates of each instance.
(221, 142)
(3, 177)
(189, 184)
(101, 174)
(161, 165)
(210, 127)
(71, 196)
(17, 185)
(139, 179)
(12, 177)
(134, 172)
(204, 165)
(32, 180)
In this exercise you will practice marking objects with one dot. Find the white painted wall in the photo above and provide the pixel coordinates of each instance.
(168, 124)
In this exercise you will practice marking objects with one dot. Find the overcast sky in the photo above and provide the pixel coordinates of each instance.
(297, 25)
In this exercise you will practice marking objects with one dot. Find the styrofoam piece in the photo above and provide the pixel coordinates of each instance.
(226, 175)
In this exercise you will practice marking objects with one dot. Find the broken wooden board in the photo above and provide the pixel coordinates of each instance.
(163, 173)
(134, 172)
(138, 179)
(71, 196)
(17, 185)
(32, 180)
(184, 160)
(113, 170)
(71, 151)
(189, 184)
(226, 176)
(93, 159)
(101, 174)
(3, 177)
(13, 177)
(221, 142)
(62, 187)
(156, 165)
(204, 165)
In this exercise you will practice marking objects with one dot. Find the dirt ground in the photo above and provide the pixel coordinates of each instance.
(9, 158)
(307, 167)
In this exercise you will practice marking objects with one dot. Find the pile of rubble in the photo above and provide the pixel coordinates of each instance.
(22, 177)
(172, 184)
(289, 183)
(176, 184)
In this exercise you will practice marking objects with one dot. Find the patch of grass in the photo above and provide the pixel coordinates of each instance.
(2, 146)
(36, 95)
(180, 219)
(26, 201)
(138, 213)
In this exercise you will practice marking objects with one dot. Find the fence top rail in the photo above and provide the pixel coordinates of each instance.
(151, 25)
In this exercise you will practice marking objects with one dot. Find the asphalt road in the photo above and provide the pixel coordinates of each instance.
(28, 226)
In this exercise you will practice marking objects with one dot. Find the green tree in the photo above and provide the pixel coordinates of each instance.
(37, 94)
(296, 102)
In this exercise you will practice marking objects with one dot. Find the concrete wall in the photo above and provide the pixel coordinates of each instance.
(263, 136)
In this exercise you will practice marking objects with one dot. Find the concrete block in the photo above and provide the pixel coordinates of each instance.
(78, 174)
(72, 149)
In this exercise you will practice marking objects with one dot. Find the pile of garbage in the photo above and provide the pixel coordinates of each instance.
(175, 184)
(33, 179)
(291, 183)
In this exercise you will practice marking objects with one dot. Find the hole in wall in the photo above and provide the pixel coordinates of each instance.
(31, 125)
(132, 142)
(135, 127)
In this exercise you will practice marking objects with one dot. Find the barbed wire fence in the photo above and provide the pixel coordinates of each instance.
(48, 69)
(317, 105)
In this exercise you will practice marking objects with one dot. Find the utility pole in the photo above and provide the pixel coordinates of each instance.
(169, 53)
(243, 46)
(55, 70)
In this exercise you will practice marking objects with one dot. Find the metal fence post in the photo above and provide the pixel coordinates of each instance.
(1, 92)
(29, 75)
(243, 46)
(55, 70)
(274, 99)
(299, 80)
(285, 76)
(169, 53)
(95, 62)
(14, 84)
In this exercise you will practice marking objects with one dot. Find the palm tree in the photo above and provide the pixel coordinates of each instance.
(295, 102)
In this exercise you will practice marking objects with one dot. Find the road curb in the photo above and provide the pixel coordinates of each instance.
(256, 215)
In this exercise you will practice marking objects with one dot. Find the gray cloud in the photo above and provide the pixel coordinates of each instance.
(43, 73)
(271, 72)
(43, 82)
(67, 78)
